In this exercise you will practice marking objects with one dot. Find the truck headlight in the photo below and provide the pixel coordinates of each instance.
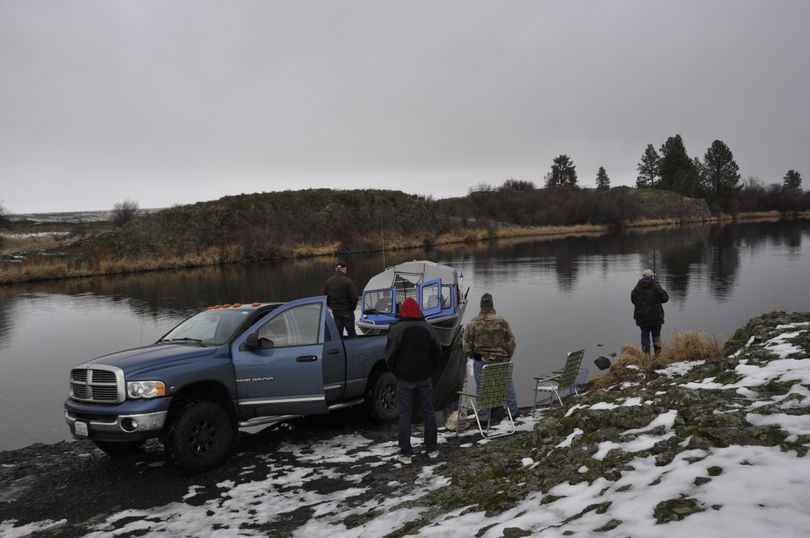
(145, 389)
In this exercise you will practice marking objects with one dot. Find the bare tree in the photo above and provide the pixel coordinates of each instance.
(481, 187)
(124, 212)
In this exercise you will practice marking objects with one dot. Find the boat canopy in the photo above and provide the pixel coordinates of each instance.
(409, 274)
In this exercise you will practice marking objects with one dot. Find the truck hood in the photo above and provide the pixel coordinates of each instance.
(151, 356)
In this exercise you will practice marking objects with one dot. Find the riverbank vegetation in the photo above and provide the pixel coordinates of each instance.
(317, 222)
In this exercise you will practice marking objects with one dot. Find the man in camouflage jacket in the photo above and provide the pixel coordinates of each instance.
(488, 339)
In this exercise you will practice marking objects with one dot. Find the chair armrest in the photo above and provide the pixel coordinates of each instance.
(468, 394)
(547, 378)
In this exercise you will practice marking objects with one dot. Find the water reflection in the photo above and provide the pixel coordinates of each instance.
(558, 295)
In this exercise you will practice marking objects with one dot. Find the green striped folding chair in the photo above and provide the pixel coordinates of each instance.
(492, 394)
(561, 381)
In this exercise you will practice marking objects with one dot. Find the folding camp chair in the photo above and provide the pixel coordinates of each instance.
(492, 394)
(561, 381)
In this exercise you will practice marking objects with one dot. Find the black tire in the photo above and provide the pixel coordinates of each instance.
(383, 396)
(115, 450)
(200, 436)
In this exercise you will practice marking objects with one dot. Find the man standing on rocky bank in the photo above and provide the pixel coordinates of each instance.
(488, 339)
(341, 298)
(647, 297)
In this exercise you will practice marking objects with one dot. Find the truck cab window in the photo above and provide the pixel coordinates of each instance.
(297, 326)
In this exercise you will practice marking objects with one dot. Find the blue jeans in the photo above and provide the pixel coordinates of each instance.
(344, 318)
(511, 397)
(653, 332)
(423, 391)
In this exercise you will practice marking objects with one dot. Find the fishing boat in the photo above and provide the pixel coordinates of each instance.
(436, 287)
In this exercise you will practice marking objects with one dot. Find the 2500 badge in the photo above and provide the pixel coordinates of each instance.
(254, 379)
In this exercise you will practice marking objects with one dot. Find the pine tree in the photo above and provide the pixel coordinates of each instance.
(719, 174)
(563, 173)
(676, 169)
(602, 180)
(648, 168)
(792, 181)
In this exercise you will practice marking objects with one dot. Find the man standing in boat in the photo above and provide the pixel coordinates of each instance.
(341, 298)
(488, 339)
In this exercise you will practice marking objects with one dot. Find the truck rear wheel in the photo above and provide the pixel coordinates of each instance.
(200, 436)
(115, 450)
(383, 395)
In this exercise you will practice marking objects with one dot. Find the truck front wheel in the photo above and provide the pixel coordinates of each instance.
(200, 436)
(383, 396)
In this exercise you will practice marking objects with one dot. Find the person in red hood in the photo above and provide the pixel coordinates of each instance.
(410, 353)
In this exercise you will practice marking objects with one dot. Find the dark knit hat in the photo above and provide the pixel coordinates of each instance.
(340, 263)
(410, 309)
(486, 301)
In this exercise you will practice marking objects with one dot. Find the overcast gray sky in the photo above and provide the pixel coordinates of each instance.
(167, 102)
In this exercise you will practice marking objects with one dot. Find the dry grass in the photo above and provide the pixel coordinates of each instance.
(473, 235)
(56, 268)
(759, 215)
(634, 365)
(657, 223)
(307, 251)
(25, 245)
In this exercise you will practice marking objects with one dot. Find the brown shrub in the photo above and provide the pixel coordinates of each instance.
(634, 365)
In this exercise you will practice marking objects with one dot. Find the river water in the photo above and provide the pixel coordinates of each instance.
(558, 295)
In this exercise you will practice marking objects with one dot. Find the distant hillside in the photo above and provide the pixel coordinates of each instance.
(281, 224)
(327, 222)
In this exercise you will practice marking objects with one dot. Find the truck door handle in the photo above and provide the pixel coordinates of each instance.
(306, 358)
(333, 351)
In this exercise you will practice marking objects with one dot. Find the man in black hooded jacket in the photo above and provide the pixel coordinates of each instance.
(647, 297)
(411, 352)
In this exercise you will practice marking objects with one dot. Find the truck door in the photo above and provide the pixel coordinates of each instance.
(284, 375)
(430, 297)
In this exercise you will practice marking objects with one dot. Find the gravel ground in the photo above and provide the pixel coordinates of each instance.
(78, 487)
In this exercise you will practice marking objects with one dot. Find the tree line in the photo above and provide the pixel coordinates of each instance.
(716, 178)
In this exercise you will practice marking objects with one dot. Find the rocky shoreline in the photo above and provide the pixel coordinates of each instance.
(673, 448)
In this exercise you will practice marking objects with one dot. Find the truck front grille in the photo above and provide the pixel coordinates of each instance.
(97, 383)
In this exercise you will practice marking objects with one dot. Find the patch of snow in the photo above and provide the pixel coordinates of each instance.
(795, 425)
(568, 440)
(9, 530)
(677, 369)
(792, 326)
(780, 346)
(667, 420)
(604, 406)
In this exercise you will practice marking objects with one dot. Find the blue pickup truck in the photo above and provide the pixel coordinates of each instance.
(228, 367)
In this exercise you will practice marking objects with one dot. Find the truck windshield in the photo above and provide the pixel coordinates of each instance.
(212, 327)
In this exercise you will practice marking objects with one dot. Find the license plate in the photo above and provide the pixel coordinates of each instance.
(80, 429)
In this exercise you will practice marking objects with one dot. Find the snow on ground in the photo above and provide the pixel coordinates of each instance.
(240, 507)
(8, 530)
(743, 491)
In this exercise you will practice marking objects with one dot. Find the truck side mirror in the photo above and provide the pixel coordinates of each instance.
(252, 342)
(265, 343)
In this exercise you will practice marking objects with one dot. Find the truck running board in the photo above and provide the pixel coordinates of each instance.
(343, 405)
(263, 421)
